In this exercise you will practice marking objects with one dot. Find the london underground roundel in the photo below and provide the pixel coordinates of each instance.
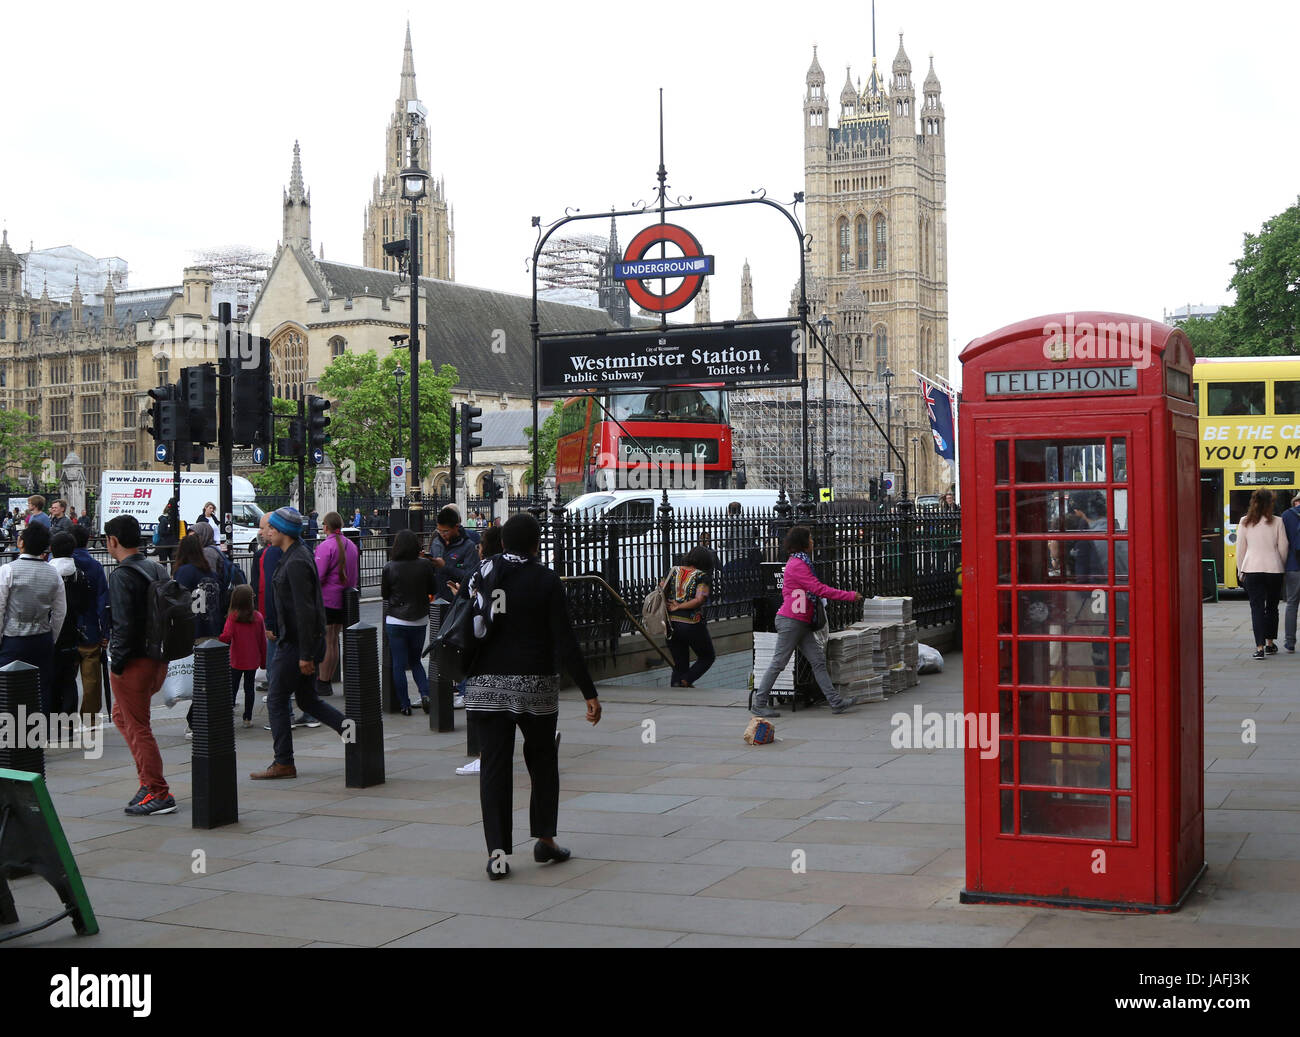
(691, 266)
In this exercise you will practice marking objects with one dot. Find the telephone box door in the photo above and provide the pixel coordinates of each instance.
(1072, 693)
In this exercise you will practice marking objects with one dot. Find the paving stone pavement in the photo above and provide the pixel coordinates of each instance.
(684, 840)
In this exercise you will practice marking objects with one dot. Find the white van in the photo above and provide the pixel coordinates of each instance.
(632, 503)
(145, 494)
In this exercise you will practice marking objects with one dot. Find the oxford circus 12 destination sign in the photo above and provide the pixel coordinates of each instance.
(744, 354)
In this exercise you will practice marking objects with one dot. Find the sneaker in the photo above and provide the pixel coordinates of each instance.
(152, 804)
(558, 736)
(304, 720)
(458, 701)
(1271, 649)
(844, 705)
(1291, 649)
(248, 723)
(266, 727)
(1258, 653)
(469, 768)
(189, 735)
(143, 791)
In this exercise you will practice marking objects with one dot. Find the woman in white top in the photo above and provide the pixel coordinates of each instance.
(1261, 559)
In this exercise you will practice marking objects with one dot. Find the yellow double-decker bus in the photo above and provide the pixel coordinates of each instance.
(1249, 411)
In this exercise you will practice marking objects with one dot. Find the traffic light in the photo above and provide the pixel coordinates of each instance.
(493, 487)
(468, 426)
(318, 423)
(160, 395)
(292, 445)
(198, 395)
(251, 407)
(873, 491)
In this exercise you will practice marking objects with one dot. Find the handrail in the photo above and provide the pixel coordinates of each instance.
(623, 605)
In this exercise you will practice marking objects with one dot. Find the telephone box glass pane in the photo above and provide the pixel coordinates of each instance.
(1121, 562)
(1124, 819)
(1031, 460)
(1121, 614)
(1123, 774)
(1008, 799)
(1007, 761)
(1039, 511)
(1004, 513)
(1004, 561)
(1073, 814)
(1074, 764)
(1004, 662)
(1063, 714)
(1122, 717)
(1001, 469)
(1041, 561)
(1120, 512)
(1072, 664)
(1069, 613)
(1119, 460)
(1082, 462)
(1006, 718)
(1004, 613)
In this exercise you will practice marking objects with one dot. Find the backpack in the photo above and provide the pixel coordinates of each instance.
(79, 595)
(168, 618)
(230, 577)
(456, 645)
(654, 611)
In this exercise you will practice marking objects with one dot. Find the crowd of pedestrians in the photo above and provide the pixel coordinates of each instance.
(285, 617)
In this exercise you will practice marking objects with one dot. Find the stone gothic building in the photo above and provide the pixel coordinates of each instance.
(387, 215)
(83, 371)
(876, 194)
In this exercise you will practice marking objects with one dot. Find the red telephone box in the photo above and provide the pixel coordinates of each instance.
(1081, 614)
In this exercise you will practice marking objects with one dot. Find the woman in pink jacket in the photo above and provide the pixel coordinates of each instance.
(799, 590)
(1262, 547)
(338, 563)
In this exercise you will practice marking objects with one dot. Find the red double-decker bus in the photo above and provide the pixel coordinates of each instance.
(677, 436)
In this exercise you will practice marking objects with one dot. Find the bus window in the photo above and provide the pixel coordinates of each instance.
(1228, 398)
(682, 403)
(1238, 505)
(1286, 397)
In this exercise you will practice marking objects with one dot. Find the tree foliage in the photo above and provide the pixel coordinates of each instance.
(364, 416)
(1265, 319)
(546, 445)
(19, 452)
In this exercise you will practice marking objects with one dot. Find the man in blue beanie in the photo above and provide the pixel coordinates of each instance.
(300, 615)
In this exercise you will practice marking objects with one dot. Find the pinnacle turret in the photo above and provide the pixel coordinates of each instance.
(407, 93)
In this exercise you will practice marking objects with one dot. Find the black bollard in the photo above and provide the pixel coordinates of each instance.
(20, 697)
(351, 616)
(441, 717)
(214, 790)
(363, 754)
(386, 687)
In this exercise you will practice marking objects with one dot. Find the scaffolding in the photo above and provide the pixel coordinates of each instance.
(575, 261)
(238, 273)
(769, 441)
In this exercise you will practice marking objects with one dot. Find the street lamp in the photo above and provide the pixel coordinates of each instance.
(414, 180)
(889, 424)
(916, 443)
(825, 326)
(398, 375)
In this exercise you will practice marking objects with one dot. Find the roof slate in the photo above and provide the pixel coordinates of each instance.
(467, 322)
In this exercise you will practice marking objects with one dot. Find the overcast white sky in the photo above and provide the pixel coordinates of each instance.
(1103, 155)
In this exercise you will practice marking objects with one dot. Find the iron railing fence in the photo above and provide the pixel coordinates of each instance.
(897, 552)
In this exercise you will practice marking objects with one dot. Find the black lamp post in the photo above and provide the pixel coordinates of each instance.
(889, 422)
(414, 181)
(916, 443)
(825, 326)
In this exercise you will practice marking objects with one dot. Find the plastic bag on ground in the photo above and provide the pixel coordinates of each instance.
(928, 660)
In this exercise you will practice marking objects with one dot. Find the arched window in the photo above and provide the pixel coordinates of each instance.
(864, 240)
(289, 363)
(846, 257)
(338, 346)
(857, 350)
(881, 243)
(882, 350)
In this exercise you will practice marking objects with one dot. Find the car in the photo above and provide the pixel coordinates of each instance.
(928, 500)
